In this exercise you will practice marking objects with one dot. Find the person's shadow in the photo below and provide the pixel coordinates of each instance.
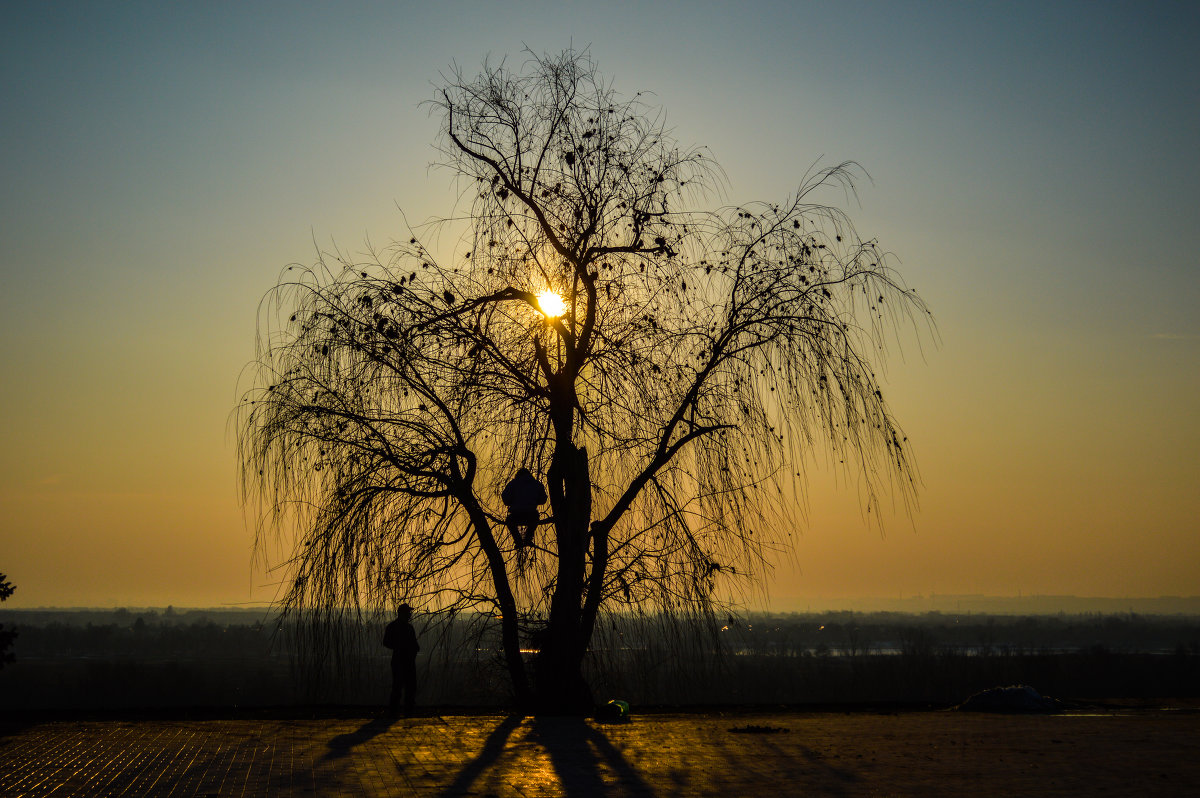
(343, 744)
(578, 752)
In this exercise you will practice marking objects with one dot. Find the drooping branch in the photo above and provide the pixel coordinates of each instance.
(702, 357)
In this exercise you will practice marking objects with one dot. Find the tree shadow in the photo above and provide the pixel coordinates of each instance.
(343, 744)
(820, 777)
(584, 761)
(493, 747)
(579, 753)
(833, 780)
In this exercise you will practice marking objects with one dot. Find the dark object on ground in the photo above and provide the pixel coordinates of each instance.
(1015, 698)
(615, 711)
(751, 728)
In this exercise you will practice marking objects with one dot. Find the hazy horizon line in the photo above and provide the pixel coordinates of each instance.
(933, 602)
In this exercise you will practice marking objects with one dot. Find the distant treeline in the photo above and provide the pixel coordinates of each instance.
(899, 633)
(125, 616)
(259, 634)
(146, 658)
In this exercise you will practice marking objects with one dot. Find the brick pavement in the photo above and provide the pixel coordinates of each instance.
(861, 753)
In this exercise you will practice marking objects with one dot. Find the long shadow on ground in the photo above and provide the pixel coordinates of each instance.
(578, 752)
(493, 747)
(819, 775)
(343, 744)
(582, 759)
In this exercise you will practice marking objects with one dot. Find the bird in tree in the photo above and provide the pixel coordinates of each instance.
(662, 366)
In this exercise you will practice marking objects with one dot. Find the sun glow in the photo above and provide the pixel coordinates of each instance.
(551, 304)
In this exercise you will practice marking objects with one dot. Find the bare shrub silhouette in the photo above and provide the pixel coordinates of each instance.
(7, 636)
(663, 369)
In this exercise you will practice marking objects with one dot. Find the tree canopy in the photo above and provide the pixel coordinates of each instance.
(662, 366)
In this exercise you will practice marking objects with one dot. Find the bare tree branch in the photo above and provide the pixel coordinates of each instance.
(701, 357)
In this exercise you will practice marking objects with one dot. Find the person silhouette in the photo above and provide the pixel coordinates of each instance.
(522, 495)
(401, 638)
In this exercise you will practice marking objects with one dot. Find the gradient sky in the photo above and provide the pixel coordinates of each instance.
(1034, 167)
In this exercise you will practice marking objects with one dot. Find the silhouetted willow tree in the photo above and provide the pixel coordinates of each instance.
(700, 356)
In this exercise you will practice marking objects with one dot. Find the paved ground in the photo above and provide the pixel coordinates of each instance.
(838, 754)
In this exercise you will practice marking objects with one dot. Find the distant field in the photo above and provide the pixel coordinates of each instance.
(128, 658)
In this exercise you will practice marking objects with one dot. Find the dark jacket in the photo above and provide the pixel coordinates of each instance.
(401, 638)
(524, 492)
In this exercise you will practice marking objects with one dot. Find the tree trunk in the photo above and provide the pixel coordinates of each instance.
(509, 628)
(558, 679)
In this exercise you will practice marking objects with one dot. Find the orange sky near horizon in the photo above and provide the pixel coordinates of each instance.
(1033, 169)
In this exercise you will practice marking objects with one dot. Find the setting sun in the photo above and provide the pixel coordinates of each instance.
(551, 304)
